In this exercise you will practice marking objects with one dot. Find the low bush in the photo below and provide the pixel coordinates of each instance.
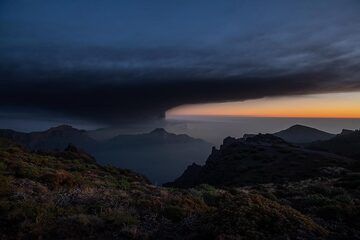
(60, 178)
(174, 213)
(119, 217)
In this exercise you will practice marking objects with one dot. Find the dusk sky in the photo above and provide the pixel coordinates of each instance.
(332, 105)
(112, 61)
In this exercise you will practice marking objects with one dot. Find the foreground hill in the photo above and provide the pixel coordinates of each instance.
(260, 159)
(160, 155)
(303, 134)
(67, 195)
(346, 144)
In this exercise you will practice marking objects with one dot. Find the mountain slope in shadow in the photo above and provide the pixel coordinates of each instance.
(260, 159)
(346, 144)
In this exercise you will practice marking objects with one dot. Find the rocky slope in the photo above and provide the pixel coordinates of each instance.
(322, 186)
(67, 195)
(260, 159)
(346, 144)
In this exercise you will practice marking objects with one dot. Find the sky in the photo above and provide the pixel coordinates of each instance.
(330, 105)
(112, 61)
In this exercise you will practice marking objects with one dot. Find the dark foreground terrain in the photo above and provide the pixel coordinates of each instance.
(320, 185)
(262, 159)
(67, 195)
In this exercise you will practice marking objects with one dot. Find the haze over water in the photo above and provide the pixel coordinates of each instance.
(215, 128)
(330, 112)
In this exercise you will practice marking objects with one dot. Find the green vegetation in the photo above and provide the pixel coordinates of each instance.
(330, 202)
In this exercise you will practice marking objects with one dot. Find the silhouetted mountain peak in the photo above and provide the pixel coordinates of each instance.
(159, 131)
(303, 134)
(157, 136)
(64, 128)
(298, 127)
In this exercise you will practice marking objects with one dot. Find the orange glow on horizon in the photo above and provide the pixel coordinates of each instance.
(332, 105)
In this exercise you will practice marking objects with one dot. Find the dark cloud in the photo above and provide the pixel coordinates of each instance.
(99, 97)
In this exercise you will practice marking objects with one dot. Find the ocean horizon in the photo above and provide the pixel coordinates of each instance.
(215, 128)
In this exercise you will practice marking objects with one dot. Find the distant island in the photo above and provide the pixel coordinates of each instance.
(303, 134)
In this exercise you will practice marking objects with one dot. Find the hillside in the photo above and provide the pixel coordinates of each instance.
(259, 159)
(303, 134)
(67, 195)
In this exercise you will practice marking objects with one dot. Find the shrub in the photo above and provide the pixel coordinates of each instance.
(25, 170)
(206, 188)
(317, 200)
(124, 184)
(174, 213)
(119, 217)
(207, 193)
(334, 212)
(319, 189)
(58, 179)
(4, 185)
(78, 179)
(2, 167)
(343, 198)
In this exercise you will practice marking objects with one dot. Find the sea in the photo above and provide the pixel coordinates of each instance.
(215, 128)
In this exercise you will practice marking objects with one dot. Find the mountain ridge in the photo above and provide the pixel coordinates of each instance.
(158, 154)
(260, 159)
(346, 144)
(58, 137)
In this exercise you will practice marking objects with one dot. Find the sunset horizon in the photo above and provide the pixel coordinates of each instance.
(326, 105)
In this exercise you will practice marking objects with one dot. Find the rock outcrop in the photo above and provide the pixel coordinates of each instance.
(263, 158)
